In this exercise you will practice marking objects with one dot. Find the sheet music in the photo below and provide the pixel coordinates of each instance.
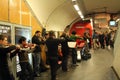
(71, 44)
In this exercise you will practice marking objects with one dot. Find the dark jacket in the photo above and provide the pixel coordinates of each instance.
(35, 40)
(52, 45)
(65, 48)
(3, 54)
(6, 53)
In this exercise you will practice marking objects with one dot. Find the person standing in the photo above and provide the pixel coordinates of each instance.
(87, 39)
(52, 46)
(102, 40)
(107, 40)
(36, 39)
(73, 38)
(46, 50)
(65, 51)
(112, 37)
(5, 55)
(27, 71)
(95, 40)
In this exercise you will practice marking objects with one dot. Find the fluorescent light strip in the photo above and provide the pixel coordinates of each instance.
(76, 7)
(73, 0)
(81, 15)
(79, 12)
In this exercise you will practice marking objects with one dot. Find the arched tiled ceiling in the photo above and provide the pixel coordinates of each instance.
(57, 14)
(54, 14)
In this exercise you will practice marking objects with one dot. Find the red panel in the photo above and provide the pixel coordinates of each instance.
(80, 28)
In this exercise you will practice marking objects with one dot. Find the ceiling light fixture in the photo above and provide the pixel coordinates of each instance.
(73, 0)
(79, 12)
(76, 7)
(82, 16)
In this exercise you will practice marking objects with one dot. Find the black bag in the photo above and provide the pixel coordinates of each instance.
(86, 56)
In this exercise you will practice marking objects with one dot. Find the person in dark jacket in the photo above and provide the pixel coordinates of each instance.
(36, 39)
(65, 51)
(52, 45)
(6, 53)
(102, 40)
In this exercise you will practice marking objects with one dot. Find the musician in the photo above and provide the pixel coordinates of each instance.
(52, 45)
(37, 39)
(27, 72)
(65, 51)
(7, 52)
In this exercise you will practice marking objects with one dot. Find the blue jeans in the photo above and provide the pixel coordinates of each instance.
(36, 62)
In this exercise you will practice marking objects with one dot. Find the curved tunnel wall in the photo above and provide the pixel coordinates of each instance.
(54, 15)
(61, 17)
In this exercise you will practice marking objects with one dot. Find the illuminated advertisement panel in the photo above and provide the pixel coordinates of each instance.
(6, 30)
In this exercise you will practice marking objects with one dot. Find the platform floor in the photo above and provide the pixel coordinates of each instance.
(96, 68)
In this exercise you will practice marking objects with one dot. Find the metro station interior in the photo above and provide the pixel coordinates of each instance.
(25, 17)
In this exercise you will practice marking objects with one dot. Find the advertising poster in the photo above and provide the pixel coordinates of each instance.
(6, 30)
(19, 32)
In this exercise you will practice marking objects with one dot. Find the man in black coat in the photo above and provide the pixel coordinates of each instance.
(5, 54)
(65, 51)
(52, 45)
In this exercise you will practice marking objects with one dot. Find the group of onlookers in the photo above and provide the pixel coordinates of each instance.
(103, 40)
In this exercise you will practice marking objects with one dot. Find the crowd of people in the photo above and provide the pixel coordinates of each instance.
(103, 39)
(55, 50)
